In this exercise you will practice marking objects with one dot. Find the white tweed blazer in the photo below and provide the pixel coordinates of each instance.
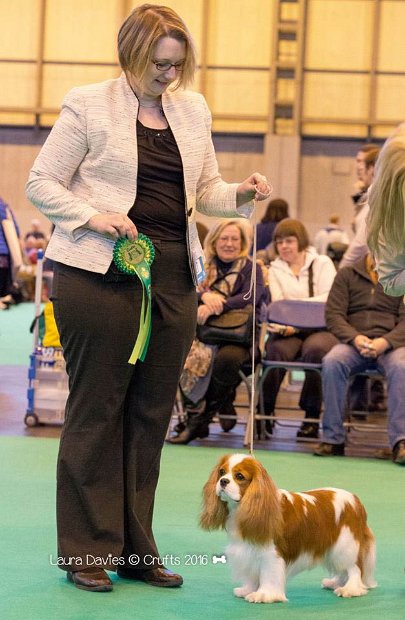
(88, 165)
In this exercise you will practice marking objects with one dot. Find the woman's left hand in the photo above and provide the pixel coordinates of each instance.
(254, 187)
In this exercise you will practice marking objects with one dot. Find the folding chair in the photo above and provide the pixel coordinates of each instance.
(301, 314)
(357, 427)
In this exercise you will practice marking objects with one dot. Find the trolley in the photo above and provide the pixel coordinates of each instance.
(47, 379)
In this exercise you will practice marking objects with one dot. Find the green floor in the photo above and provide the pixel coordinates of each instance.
(16, 342)
(34, 589)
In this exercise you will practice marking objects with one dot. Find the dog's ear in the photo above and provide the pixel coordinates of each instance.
(214, 512)
(259, 515)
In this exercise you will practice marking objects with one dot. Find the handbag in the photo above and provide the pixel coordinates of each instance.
(232, 327)
(299, 313)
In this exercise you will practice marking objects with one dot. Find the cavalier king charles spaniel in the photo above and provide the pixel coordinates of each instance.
(275, 534)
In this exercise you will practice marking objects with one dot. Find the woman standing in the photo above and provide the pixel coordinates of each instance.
(298, 273)
(127, 156)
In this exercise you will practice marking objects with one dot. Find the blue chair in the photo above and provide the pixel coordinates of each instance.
(301, 314)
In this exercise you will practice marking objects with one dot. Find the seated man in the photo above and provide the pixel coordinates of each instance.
(370, 326)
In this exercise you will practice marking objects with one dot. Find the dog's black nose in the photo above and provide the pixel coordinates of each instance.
(223, 482)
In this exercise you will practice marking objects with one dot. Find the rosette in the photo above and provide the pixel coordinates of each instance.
(135, 257)
(129, 254)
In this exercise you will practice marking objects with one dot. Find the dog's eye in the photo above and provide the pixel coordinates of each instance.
(239, 476)
(222, 472)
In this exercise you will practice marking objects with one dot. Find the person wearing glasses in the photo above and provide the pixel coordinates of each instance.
(298, 272)
(128, 156)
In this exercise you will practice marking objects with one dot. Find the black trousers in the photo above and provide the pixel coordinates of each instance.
(225, 375)
(308, 348)
(117, 414)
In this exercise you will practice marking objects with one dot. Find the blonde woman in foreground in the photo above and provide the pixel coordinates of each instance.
(386, 222)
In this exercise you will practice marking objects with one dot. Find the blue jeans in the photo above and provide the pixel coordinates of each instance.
(342, 362)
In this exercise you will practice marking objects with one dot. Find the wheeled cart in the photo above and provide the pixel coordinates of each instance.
(47, 379)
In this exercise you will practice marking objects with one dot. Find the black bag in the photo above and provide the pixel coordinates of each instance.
(232, 327)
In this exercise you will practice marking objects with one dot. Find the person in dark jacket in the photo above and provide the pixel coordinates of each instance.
(370, 326)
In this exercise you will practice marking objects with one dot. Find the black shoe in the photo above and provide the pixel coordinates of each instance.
(179, 428)
(227, 424)
(192, 431)
(398, 453)
(91, 579)
(308, 430)
(330, 449)
(160, 577)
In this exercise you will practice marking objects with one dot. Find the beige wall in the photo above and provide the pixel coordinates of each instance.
(326, 186)
(334, 67)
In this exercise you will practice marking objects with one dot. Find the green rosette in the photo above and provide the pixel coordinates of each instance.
(128, 255)
(135, 258)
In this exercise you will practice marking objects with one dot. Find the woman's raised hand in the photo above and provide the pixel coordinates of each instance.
(254, 187)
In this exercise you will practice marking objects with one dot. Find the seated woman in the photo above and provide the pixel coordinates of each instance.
(225, 288)
(298, 272)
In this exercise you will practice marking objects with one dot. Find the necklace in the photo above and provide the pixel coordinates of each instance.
(153, 106)
(150, 105)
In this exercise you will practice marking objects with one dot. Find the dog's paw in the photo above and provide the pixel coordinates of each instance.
(243, 591)
(333, 583)
(348, 591)
(262, 596)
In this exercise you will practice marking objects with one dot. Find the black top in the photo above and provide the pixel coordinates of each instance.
(159, 208)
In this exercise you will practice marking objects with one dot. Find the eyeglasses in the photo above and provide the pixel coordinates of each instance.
(166, 66)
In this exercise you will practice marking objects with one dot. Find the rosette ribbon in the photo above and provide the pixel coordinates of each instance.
(135, 258)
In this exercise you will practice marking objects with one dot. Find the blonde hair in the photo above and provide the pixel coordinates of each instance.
(215, 232)
(386, 219)
(139, 34)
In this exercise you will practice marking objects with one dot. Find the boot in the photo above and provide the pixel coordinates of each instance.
(197, 427)
(227, 424)
(192, 409)
(180, 427)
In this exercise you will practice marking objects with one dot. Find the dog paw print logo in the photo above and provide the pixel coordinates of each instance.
(219, 558)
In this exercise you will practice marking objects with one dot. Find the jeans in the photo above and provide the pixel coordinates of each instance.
(338, 366)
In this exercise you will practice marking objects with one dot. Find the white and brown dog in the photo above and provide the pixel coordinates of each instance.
(275, 534)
